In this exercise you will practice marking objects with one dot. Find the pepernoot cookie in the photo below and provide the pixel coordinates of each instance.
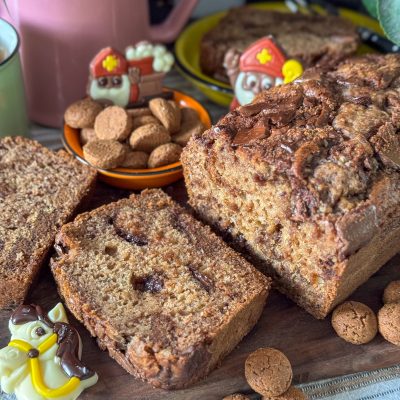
(392, 293)
(165, 154)
(113, 123)
(82, 113)
(104, 154)
(236, 396)
(355, 322)
(292, 393)
(87, 135)
(148, 137)
(389, 322)
(268, 372)
(168, 114)
(135, 159)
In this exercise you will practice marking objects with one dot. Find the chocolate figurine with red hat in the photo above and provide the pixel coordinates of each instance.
(261, 66)
(130, 79)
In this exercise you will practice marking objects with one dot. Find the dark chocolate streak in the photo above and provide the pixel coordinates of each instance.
(67, 339)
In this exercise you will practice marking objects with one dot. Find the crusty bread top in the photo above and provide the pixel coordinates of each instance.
(313, 39)
(334, 134)
(39, 190)
(153, 274)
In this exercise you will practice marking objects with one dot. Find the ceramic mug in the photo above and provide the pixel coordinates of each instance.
(13, 119)
(60, 37)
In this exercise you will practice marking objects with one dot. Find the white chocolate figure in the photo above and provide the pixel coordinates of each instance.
(44, 352)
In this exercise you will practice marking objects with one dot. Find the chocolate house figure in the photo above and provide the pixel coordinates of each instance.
(261, 66)
(129, 80)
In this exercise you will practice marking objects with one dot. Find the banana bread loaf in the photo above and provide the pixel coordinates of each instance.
(306, 178)
(39, 191)
(313, 39)
(159, 290)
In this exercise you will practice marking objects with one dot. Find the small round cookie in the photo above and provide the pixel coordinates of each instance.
(189, 114)
(392, 293)
(165, 154)
(389, 322)
(87, 135)
(144, 120)
(236, 396)
(355, 322)
(166, 113)
(268, 372)
(113, 123)
(82, 113)
(135, 159)
(104, 154)
(293, 393)
(148, 137)
(138, 112)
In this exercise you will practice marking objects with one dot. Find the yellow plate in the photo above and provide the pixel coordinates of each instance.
(127, 178)
(187, 49)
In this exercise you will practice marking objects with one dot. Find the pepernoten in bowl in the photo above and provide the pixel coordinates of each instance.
(127, 178)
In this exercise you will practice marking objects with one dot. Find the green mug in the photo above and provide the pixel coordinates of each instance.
(13, 117)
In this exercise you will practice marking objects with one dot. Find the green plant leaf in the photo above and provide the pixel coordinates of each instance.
(389, 18)
(372, 7)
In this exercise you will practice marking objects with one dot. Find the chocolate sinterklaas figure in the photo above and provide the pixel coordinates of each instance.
(261, 66)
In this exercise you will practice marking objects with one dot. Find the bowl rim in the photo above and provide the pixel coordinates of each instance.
(166, 169)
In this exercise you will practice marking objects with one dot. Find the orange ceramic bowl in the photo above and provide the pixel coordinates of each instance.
(127, 178)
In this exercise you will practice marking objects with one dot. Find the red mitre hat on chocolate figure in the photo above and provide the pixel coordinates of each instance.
(108, 62)
(263, 56)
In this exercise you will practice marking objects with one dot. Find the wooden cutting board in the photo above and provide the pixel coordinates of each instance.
(311, 345)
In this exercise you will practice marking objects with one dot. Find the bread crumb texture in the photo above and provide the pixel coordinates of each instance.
(161, 292)
(39, 191)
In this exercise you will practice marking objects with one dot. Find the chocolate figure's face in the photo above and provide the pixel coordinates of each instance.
(249, 84)
(114, 88)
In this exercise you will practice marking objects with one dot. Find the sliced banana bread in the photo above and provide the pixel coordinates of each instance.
(39, 191)
(313, 39)
(158, 289)
(307, 178)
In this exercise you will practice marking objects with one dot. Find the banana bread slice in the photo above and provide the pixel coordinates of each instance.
(307, 178)
(313, 39)
(39, 191)
(159, 290)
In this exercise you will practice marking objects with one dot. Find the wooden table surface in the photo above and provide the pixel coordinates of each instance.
(311, 345)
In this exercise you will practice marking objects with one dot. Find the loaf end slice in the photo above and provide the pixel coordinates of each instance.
(306, 179)
(39, 192)
(163, 294)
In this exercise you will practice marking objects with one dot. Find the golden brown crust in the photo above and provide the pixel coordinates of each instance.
(306, 178)
(152, 291)
(268, 372)
(39, 191)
